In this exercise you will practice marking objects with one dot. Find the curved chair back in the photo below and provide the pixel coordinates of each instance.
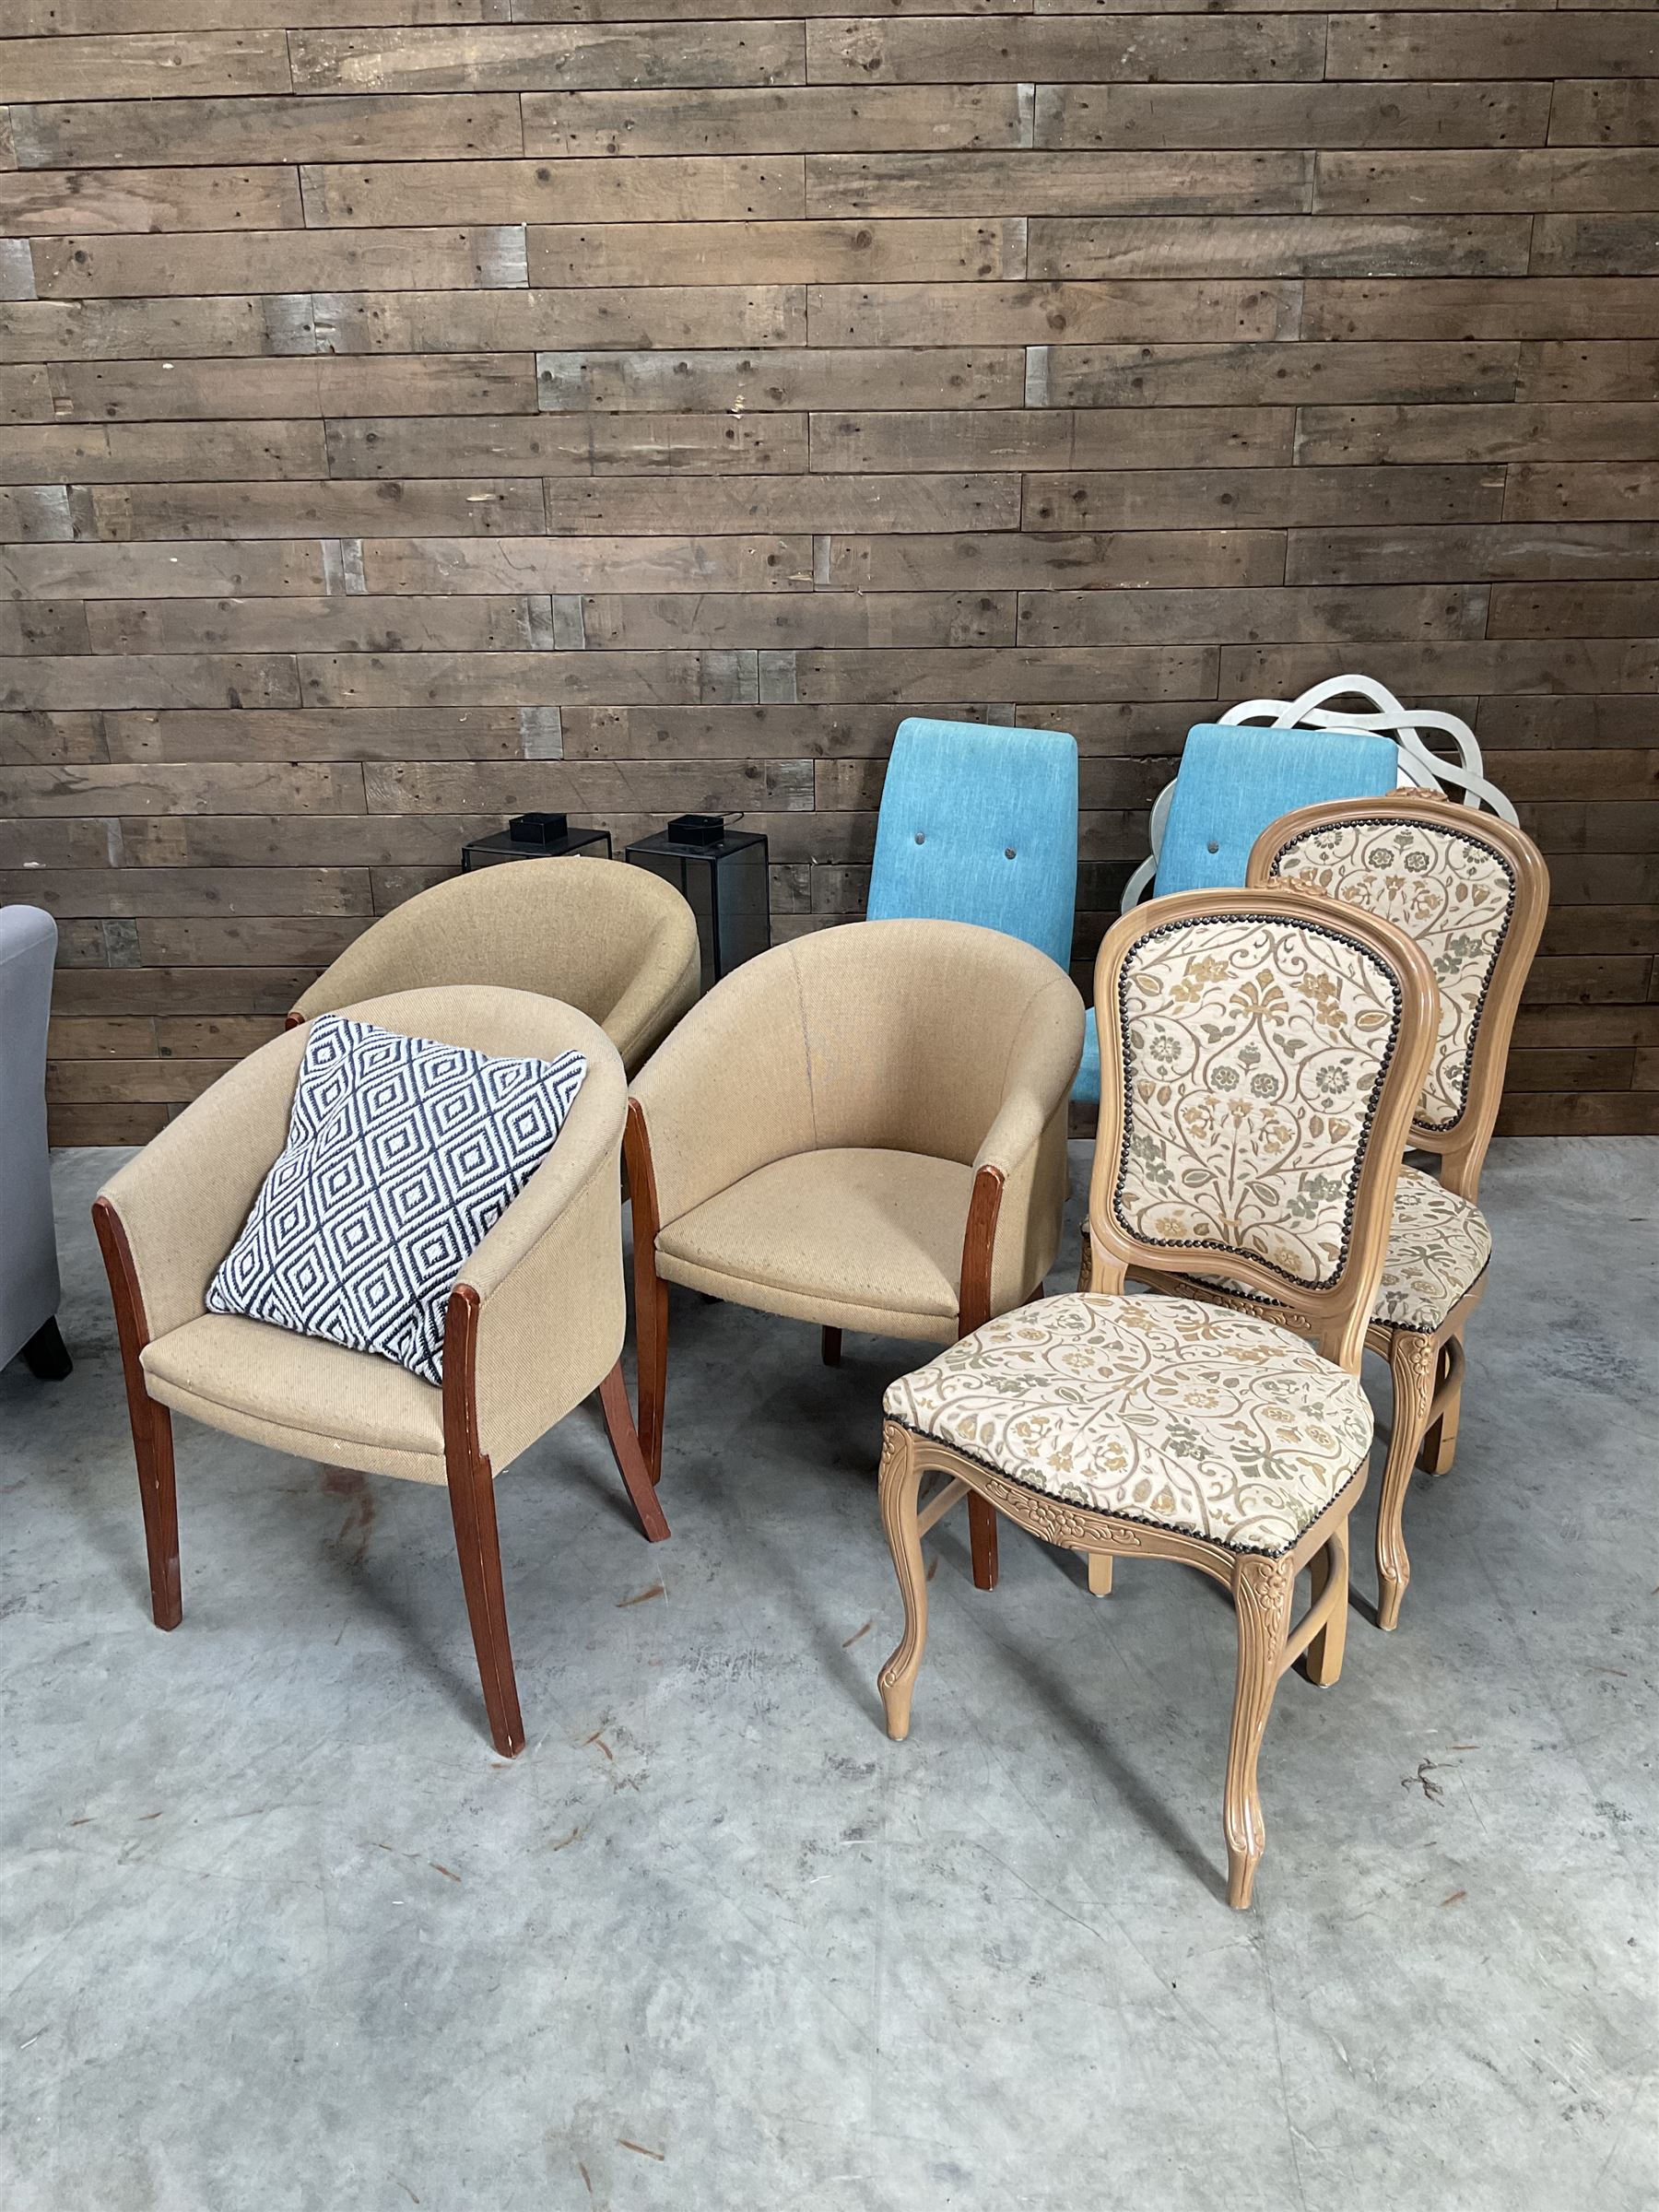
(616, 943)
(28, 1267)
(980, 824)
(1260, 1063)
(1468, 888)
(1299, 752)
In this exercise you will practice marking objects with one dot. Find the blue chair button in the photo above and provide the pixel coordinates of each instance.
(1214, 847)
(1008, 851)
(921, 837)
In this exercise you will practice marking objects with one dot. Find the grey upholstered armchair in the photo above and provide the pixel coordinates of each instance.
(28, 1268)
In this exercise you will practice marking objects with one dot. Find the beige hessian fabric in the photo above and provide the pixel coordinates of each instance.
(613, 941)
(1438, 1249)
(1254, 1049)
(1160, 1410)
(1450, 889)
(936, 1041)
(859, 1240)
(549, 1272)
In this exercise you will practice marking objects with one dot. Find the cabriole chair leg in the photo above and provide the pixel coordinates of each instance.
(1411, 1363)
(1439, 1446)
(1261, 1591)
(900, 1487)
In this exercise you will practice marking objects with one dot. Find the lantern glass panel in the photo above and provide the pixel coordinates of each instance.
(724, 878)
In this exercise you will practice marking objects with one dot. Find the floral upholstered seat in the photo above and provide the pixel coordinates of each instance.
(1438, 1249)
(1163, 1410)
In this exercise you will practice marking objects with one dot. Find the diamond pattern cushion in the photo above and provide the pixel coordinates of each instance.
(1438, 1249)
(401, 1155)
(1160, 1410)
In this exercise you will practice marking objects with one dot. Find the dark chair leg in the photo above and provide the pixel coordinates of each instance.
(472, 1507)
(982, 1542)
(651, 1293)
(630, 1460)
(151, 1424)
(46, 1355)
(831, 1347)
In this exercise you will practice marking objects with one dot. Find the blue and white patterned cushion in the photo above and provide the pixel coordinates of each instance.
(401, 1155)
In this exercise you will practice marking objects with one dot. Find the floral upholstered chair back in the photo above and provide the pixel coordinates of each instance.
(1260, 1061)
(1469, 889)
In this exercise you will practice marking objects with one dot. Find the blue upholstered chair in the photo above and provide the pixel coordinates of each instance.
(980, 824)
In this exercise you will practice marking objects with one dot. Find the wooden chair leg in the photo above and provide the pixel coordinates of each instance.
(1261, 1590)
(1322, 1662)
(1100, 1573)
(1439, 1446)
(1411, 1363)
(900, 1487)
(630, 1460)
(151, 1424)
(651, 1293)
(982, 1542)
(829, 1346)
(472, 1507)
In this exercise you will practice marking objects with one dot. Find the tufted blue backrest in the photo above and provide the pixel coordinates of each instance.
(1235, 779)
(980, 824)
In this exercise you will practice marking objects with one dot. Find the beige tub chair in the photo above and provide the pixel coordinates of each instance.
(534, 1325)
(865, 1129)
(615, 941)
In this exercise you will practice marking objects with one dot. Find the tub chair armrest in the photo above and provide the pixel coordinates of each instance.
(662, 992)
(547, 1281)
(181, 1205)
(1019, 1171)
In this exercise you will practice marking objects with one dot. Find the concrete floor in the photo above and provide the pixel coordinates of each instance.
(278, 1930)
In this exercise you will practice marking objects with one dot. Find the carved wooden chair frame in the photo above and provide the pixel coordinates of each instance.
(1427, 1369)
(1262, 1585)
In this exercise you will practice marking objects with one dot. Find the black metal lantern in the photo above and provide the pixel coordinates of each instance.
(534, 837)
(722, 876)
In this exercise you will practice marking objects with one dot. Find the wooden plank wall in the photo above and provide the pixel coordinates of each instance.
(415, 410)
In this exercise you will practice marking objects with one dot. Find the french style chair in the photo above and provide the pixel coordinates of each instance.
(864, 1128)
(1262, 1061)
(618, 943)
(29, 1263)
(534, 1325)
(1473, 892)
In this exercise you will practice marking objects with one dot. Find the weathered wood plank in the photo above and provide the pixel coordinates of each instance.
(1054, 438)
(85, 134)
(613, 622)
(1360, 554)
(525, 57)
(781, 378)
(1294, 115)
(53, 203)
(920, 676)
(941, 252)
(167, 454)
(1529, 179)
(1028, 561)
(1345, 615)
(1312, 245)
(732, 188)
(1440, 665)
(1049, 314)
(568, 445)
(1595, 245)
(1593, 493)
(194, 63)
(511, 322)
(114, 893)
(127, 330)
(445, 507)
(1605, 111)
(758, 120)
(338, 625)
(514, 679)
(1563, 306)
(1446, 46)
(647, 506)
(1336, 436)
(80, 267)
(1575, 610)
(633, 563)
(1261, 498)
(331, 734)
(162, 390)
(223, 788)
(1058, 184)
(1265, 373)
(1058, 49)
